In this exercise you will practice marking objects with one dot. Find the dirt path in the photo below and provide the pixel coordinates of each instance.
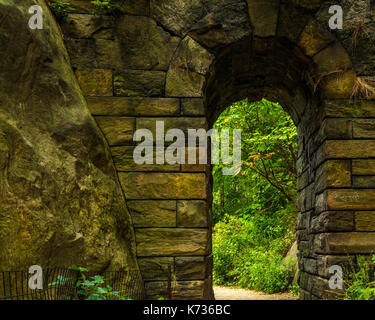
(226, 293)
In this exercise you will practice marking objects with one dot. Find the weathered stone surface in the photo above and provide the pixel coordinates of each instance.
(332, 59)
(200, 166)
(324, 262)
(335, 129)
(80, 6)
(264, 16)
(348, 149)
(192, 107)
(123, 158)
(164, 185)
(187, 290)
(95, 82)
(192, 213)
(136, 7)
(365, 221)
(175, 15)
(156, 289)
(364, 128)
(139, 83)
(332, 221)
(171, 242)
(344, 243)
(288, 26)
(145, 45)
(60, 202)
(182, 123)
(230, 17)
(117, 130)
(181, 290)
(119, 106)
(156, 268)
(363, 167)
(190, 268)
(333, 174)
(108, 54)
(81, 53)
(364, 182)
(349, 199)
(185, 76)
(88, 26)
(153, 213)
(314, 38)
(352, 109)
(184, 83)
(338, 85)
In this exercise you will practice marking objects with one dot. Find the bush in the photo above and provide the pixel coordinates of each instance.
(360, 284)
(247, 257)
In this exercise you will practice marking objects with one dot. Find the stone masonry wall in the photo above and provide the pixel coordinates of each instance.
(184, 63)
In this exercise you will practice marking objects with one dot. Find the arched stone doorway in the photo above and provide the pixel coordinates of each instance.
(184, 62)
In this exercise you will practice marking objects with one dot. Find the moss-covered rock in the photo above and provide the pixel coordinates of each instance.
(60, 202)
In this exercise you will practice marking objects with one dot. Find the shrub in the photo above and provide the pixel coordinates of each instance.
(360, 284)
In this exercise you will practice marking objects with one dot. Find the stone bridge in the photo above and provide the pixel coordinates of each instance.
(184, 62)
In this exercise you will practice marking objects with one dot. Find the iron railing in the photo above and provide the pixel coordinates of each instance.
(61, 284)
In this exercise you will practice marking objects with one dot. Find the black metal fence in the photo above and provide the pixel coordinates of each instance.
(64, 284)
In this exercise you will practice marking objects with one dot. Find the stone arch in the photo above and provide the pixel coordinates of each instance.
(183, 62)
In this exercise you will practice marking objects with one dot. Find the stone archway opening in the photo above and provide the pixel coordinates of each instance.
(254, 211)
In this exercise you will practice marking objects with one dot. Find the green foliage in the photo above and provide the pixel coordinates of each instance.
(102, 6)
(92, 288)
(360, 284)
(60, 9)
(254, 212)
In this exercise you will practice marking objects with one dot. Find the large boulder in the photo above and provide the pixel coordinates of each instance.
(60, 201)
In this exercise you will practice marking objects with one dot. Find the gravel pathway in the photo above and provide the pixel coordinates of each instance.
(227, 293)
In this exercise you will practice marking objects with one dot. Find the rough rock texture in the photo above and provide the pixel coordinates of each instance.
(60, 202)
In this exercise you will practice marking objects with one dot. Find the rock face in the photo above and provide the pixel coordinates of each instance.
(60, 201)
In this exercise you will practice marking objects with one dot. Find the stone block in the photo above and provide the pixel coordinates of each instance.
(338, 85)
(365, 221)
(349, 199)
(314, 38)
(364, 128)
(157, 268)
(264, 16)
(139, 83)
(189, 290)
(175, 15)
(153, 213)
(171, 242)
(364, 182)
(332, 59)
(81, 26)
(95, 82)
(164, 185)
(333, 174)
(144, 44)
(123, 158)
(81, 53)
(192, 107)
(190, 268)
(345, 243)
(363, 167)
(121, 106)
(108, 54)
(349, 108)
(192, 213)
(333, 221)
(348, 149)
(117, 130)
